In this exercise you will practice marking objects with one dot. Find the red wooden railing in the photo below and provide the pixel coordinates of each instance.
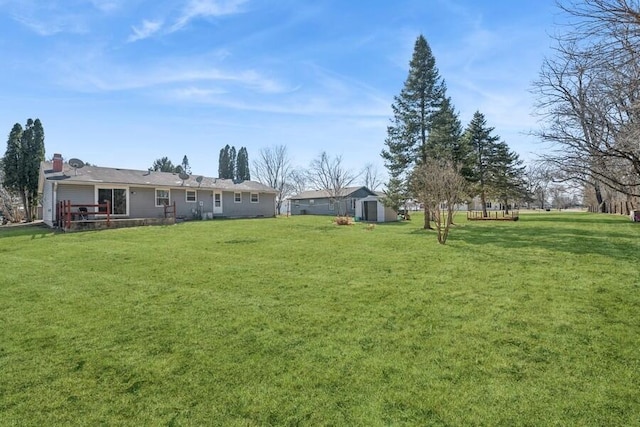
(66, 212)
(170, 210)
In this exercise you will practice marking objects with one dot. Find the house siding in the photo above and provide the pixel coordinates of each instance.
(321, 205)
(48, 204)
(142, 201)
(231, 209)
(78, 194)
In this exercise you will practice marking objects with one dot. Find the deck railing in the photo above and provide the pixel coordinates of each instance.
(170, 210)
(512, 215)
(67, 212)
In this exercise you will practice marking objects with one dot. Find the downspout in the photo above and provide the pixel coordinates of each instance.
(54, 198)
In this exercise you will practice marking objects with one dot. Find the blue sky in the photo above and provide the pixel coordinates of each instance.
(123, 82)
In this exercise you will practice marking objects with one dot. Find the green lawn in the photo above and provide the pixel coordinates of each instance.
(296, 321)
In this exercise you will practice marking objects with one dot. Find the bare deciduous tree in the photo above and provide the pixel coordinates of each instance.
(538, 176)
(441, 186)
(371, 177)
(589, 96)
(298, 181)
(273, 168)
(329, 174)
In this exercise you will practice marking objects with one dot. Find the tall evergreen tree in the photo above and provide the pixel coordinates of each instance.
(231, 168)
(444, 140)
(242, 165)
(21, 164)
(482, 146)
(507, 179)
(184, 166)
(223, 162)
(413, 112)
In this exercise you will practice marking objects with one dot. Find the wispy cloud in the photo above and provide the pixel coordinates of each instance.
(207, 8)
(91, 72)
(52, 25)
(147, 29)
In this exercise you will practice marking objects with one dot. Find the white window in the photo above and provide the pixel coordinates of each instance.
(255, 198)
(353, 204)
(488, 205)
(162, 197)
(311, 201)
(331, 206)
(237, 197)
(191, 196)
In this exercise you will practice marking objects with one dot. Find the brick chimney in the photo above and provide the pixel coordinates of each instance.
(57, 162)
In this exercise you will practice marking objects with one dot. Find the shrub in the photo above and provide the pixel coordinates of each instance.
(344, 220)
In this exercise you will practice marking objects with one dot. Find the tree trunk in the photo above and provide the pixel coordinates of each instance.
(450, 215)
(483, 201)
(601, 205)
(25, 205)
(427, 218)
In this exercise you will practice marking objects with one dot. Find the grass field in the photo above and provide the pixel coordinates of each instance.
(297, 321)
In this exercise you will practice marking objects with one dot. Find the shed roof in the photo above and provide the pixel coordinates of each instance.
(323, 194)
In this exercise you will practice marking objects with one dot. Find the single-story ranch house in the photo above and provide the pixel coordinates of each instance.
(319, 202)
(98, 193)
(359, 202)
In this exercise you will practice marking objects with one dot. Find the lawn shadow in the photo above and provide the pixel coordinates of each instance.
(604, 240)
(33, 229)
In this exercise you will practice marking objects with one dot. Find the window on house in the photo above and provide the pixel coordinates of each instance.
(311, 201)
(191, 196)
(255, 198)
(115, 197)
(237, 197)
(488, 205)
(162, 197)
(331, 205)
(353, 204)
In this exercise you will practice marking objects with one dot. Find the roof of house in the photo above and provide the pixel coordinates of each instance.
(323, 194)
(96, 175)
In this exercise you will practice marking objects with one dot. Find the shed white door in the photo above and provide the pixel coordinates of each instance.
(217, 202)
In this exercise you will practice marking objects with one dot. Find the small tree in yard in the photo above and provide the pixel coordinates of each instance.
(328, 174)
(440, 186)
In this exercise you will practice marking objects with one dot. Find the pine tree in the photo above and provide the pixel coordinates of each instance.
(163, 164)
(21, 164)
(507, 178)
(231, 168)
(184, 166)
(482, 146)
(242, 165)
(223, 162)
(394, 195)
(413, 112)
(443, 142)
